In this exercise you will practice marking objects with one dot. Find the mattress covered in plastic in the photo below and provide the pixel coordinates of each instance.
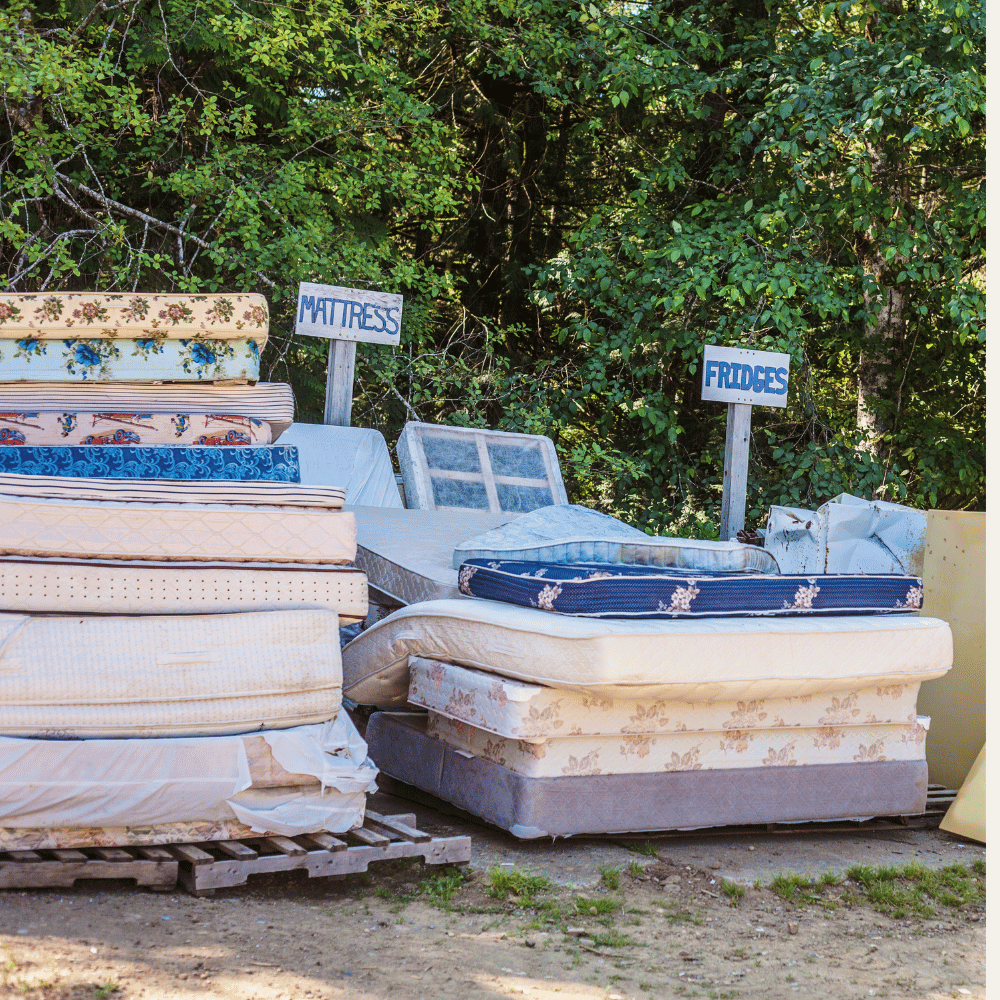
(268, 463)
(57, 793)
(521, 710)
(702, 659)
(151, 676)
(601, 591)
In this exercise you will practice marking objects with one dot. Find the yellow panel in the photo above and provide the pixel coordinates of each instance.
(954, 590)
(967, 814)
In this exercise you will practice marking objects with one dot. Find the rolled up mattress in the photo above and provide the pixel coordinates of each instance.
(169, 532)
(272, 402)
(702, 659)
(116, 315)
(268, 463)
(137, 587)
(114, 428)
(198, 675)
(79, 793)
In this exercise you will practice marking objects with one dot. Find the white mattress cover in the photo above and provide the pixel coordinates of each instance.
(709, 659)
(406, 554)
(270, 401)
(136, 782)
(196, 675)
(520, 710)
(174, 531)
(355, 459)
(226, 491)
(686, 751)
(144, 587)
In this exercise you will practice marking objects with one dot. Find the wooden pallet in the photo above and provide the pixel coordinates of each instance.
(204, 867)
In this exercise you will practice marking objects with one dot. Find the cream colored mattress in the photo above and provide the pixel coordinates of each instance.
(518, 710)
(60, 792)
(196, 675)
(269, 401)
(141, 587)
(185, 532)
(186, 491)
(688, 660)
(685, 751)
(407, 554)
(114, 315)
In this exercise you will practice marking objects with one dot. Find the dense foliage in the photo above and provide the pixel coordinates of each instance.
(573, 198)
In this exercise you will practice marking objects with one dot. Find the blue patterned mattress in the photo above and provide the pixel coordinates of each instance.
(597, 590)
(269, 463)
(123, 360)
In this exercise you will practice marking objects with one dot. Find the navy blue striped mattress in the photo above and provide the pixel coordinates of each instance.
(597, 590)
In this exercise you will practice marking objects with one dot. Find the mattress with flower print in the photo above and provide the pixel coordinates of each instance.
(645, 753)
(688, 659)
(121, 315)
(599, 590)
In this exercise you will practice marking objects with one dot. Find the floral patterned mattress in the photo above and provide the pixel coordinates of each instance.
(133, 428)
(64, 315)
(519, 710)
(267, 463)
(599, 590)
(642, 753)
(272, 402)
(124, 360)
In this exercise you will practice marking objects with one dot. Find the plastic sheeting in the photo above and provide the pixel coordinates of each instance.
(569, 533)
(139, 782)
(847, 535)
(354, 458)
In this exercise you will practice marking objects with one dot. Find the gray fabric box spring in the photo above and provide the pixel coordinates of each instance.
(635, 803)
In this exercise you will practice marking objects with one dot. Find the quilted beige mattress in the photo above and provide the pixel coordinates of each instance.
(185, 491)
(185, 532)
(688, 660)
(644, 753)
(74, 677)
(520, 710)
(108, 315)
(269, 401)
(141, 587)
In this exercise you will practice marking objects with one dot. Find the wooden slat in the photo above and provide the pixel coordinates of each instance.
(67, 855)
(370, 837)
(24, 856)
(115, 854)
(488, 482)
(235, 849)
(325, 841)
(285, 846)
(477, 477)
(404, 830)
(156, 853)
(188, 852)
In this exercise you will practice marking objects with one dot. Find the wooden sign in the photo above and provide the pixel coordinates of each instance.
(345, 317)
(742, 378)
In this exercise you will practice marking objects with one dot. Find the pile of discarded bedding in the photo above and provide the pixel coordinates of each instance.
(170, 594)
(601, 681)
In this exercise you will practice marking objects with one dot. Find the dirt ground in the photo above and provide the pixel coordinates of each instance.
(666, 931)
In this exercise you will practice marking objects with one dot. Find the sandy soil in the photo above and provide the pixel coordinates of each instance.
(671, 933)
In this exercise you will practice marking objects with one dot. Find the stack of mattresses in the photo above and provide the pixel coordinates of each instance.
(677, 685)
(169, 615)
(82, 393)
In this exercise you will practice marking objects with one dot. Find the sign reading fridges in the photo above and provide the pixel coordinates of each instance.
(738, 375)
(348, 314)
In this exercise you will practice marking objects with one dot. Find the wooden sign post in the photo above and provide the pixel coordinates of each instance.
(741, 378)
(345, 317)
